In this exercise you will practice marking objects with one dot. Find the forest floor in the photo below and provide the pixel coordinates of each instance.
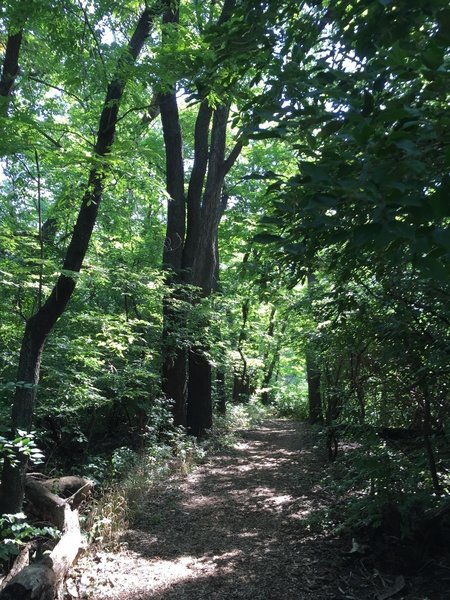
(237, 528)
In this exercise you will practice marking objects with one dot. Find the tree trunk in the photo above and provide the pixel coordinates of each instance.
(10, 69)
(267, 366)
(42, 580)
(199, 246)
(313, 377)
(174, 375)
(314, 395)
(202, 274)
(239, 378)
(199, 414)
(174, 362)
(268, 375)
(40, 325)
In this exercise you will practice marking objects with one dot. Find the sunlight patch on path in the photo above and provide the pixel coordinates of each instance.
(115, 574)
(234, 530)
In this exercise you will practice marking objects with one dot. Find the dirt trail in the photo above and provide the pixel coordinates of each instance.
(232, 529)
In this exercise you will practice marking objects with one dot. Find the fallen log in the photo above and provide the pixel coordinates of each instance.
(43, 579)
(75, 488)
(43, 503)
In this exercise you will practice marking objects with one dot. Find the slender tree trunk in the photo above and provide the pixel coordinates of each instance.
(174, 369)
(313, 377)
(241, 381)
(221, 396)
(10, 69)
(267, 366)
(357, 384)
(40, 325)
(240, 377)
(314, 395)
(268, 375)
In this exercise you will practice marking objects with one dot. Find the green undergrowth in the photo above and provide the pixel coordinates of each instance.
(16, 532)
(384, 490)
(122, 501)
(291, 406)
(238, 418)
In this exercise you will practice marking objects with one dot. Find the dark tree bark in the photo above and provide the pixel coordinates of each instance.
(313, 377)
(10, 69)
(203, 266)
(220, 383)
(267, 368)
(356, 360)
(196, 183)
(174, 371)
(201, 271)
(174, 363)
(42, 322)
(314, 395)
(240, 379)
(191, 255)
(199, 413)
(173, 247)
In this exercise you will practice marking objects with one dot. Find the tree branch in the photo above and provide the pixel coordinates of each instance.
(58, 89)
(94, 35)
(232, 157)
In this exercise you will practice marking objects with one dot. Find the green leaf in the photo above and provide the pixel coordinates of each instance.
(366, 233)
(331, 127)
(266, 238)
(433, 56)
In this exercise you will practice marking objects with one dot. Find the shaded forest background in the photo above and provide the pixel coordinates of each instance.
(207, 205)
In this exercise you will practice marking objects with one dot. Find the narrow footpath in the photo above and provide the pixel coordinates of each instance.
(244, 527)
(233, 529)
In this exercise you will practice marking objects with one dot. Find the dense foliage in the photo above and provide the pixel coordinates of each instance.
(241, 151)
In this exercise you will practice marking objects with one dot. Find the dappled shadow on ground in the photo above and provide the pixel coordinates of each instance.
(235, 528)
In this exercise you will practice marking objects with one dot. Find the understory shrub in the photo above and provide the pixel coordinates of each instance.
(384, 486)
(292, 405)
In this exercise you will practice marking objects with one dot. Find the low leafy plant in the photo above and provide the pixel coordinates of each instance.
(16, 531)
(108, 518)
(24, 444)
